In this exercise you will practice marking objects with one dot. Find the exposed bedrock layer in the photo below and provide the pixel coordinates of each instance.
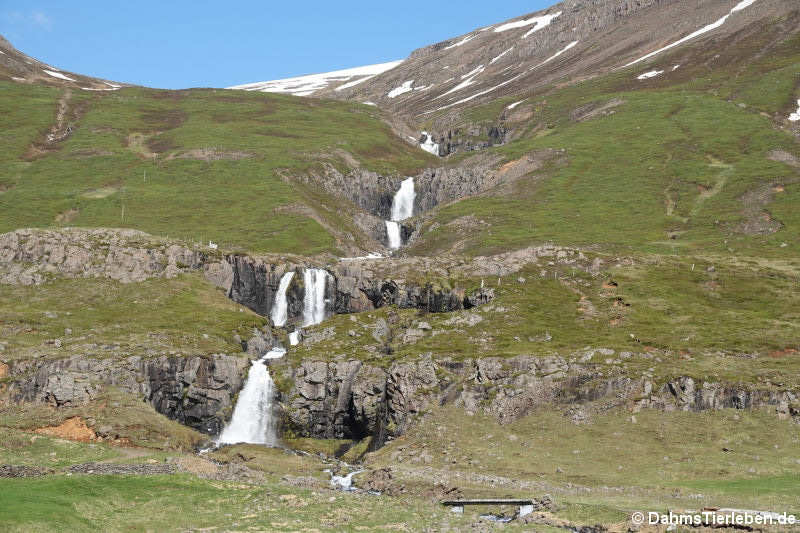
(196, 391)
(349, 399)
(352, 400)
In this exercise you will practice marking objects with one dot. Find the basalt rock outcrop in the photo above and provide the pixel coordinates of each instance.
(350, 399)
(196, 391)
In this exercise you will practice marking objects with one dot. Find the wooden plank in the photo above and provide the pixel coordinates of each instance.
(487, 502)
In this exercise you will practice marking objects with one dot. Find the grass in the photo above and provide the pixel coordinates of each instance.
(134, 422)
(651, 460)
(104, 318)
(131, 146)
(646, 178)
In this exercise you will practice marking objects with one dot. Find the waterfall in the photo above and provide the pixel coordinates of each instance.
(403, 202)
(280, 305)
(252, 419)
(314, 304)
(402, 208)
(393, 231)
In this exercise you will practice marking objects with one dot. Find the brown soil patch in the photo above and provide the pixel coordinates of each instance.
(780, 354)
(71, 429)
(91, 153)
(3, 370)
(67, 216)
(779, 188)
(610, 284)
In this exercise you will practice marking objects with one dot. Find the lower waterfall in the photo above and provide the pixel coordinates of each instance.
(315, 281)
(253, 421)
(393, 232)
(280, 306)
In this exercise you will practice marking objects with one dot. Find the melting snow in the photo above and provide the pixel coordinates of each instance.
(570, 45)
(306, 85)
(370, 255)
(515, 104)
(501, 55)
(540, 22)
(459, 43)
(57, 75)
(675, 68)
(397, 91)
(1, 52)
(468, 78)
(704, 29)
(794, 117)
(651, 74)
(354, 83)
(370, 103)
(480, 93)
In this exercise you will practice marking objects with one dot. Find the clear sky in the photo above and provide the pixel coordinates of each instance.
(178, 43)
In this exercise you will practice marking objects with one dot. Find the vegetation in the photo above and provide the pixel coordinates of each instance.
(196, 164)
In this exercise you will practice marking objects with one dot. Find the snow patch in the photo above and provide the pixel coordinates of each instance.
(354, 83)
(552, 57)
(57, 75)
(370, 255)
(294, 338)
(17, 79)
(371, 103)
(397, 91)
(675, 68)
(515, 104)
(701, 31)
(501, 55)
(468, 78)
(476, 95)
(540, 22)
(794, 117)
(651, 74)
(307, 85)
(459, 43)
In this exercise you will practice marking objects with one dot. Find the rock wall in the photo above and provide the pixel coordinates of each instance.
(350, 400)
(254, 284)
(196, 391)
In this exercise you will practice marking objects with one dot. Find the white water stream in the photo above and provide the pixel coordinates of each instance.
(252, 419)
(280, 306)
(315, 281)
(402, 208)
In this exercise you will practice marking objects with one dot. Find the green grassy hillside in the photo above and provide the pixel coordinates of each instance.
(195, 164)
(679, 164)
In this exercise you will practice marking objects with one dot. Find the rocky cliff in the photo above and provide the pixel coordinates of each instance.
(196, 391)
(349, 399)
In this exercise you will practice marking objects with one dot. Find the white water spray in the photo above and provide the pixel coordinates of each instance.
(314, 304)
(252, 419)
(280, 306)
(402, 208)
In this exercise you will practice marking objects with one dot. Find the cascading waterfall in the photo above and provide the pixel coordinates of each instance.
(402, 208)
(252, 421)
(279, 313)
(314, 304)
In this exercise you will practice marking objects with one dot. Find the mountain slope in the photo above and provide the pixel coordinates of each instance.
(21, 68)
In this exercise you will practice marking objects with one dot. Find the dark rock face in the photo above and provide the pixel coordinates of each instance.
(352, 400)
(196, 391)
(350, 290)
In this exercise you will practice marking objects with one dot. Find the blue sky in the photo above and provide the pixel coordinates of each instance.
(178, 44)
